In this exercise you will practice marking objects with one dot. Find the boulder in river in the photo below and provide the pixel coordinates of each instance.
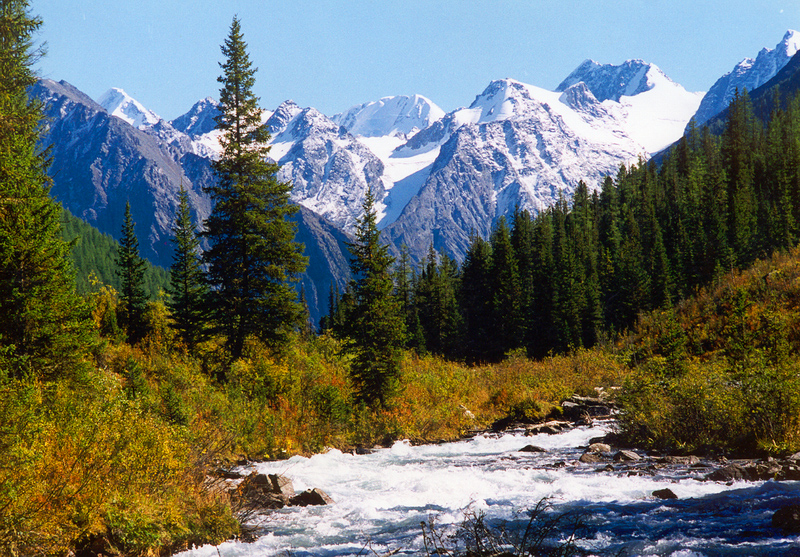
(311, 497)
(626, 456)
(599, 448)
(665, 493)
(532, 449)
(731, 472)
(265, 491)
(591, 458)
(787, 519)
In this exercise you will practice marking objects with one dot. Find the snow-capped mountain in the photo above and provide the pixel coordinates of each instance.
(390, 116)
(199, 120)
(328, 167)
(118, 103)
(100, 163)
(520, 145)
(748, 74)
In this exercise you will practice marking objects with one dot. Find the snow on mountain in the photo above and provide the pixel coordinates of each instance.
(199, 120)
(607, 81)
(748, 74)
(401, 115)
(118, 103)
(328, 167)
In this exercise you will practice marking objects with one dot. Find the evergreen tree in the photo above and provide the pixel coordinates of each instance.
(130, 269)
(405, 283)
(506, 293)
(45, 328)
(475, 298)
(375, 322)
(252, 258)
(188, 289)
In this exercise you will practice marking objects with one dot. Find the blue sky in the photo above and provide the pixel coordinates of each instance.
(332, 54)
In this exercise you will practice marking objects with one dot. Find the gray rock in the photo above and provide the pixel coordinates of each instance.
(590, 458)
(599, 448)
(626, 456)
(311, 497)
(729, 473)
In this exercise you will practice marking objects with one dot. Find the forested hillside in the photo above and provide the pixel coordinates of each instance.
(94, 253)
(582, 270)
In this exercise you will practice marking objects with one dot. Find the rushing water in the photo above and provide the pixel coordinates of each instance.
(382, 498)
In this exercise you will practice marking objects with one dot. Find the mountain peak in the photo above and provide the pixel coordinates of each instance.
(118, 103)
(609, 81)
(748, 74)
(399, 115)
(200, 118)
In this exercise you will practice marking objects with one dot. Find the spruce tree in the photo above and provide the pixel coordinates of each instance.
(252, 256)
(130, 269)
(188, 288)
(45, 328)
(376, 327)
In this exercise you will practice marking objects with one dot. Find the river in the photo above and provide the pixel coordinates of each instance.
(381, 499)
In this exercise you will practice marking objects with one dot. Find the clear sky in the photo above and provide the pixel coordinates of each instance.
(333, 54)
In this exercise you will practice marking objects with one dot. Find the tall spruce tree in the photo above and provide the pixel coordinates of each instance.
(188, 289)
(252, 257)
(376, 327)
(130, 268)
(45, 327)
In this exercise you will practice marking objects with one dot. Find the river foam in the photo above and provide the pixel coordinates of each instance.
(382, 498)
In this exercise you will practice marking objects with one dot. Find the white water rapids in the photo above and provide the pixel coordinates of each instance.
(382, 498)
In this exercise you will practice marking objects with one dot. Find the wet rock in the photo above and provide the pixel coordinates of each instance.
(787, 519)
(729, 473)
(599, 448)
(590, 458)
(626, 456)
(690, 460)
(665, 493)
(549, 428)
(532, 449)
(582, 408)
(311, 497)
(263, 491)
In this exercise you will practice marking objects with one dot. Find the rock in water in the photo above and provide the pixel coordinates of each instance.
(665, 493)
(312, 497)
(787, 519)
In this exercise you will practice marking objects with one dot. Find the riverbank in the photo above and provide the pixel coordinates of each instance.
(382, 497)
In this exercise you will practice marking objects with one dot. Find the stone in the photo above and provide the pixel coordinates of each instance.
(260, 491)
(787, 519)
(729, 473)
(665, 493)
(590, 458)
(599, 448)
(532, 449)
(311, 497)
(626, 456)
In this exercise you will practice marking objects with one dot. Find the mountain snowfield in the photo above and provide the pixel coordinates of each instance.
(440, 176)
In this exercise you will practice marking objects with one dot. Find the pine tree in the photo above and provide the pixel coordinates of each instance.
(252, 258)
(375, 323)
(45, 328)
(130, 269)
(475, 299)
(188, 289)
